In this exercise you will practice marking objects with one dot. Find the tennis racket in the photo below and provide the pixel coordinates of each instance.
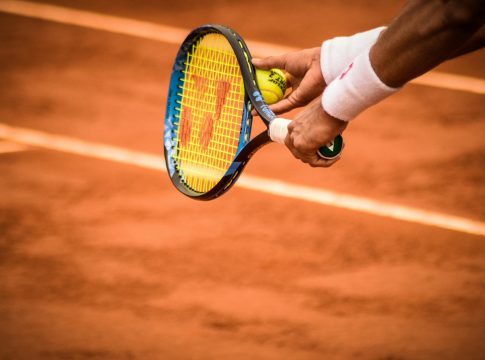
(208, 117)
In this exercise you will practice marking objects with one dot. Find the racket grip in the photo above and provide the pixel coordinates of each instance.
(278, 129)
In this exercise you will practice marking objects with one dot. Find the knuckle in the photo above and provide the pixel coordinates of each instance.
(295, 98)
(299, 144)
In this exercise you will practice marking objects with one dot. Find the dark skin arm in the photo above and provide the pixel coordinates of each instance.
(476, 42)
(425, 34)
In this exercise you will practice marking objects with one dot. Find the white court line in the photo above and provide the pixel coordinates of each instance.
(175, 35)
(268, 186)
(10, 147)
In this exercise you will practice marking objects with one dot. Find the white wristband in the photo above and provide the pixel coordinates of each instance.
(338, 53)
(355, 89)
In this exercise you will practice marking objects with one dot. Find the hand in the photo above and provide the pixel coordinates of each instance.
(311, 129)
(304, 76)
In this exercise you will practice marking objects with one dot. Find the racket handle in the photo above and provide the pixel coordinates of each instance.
(278, 129)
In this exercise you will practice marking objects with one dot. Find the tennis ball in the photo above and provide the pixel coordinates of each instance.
(272, 84)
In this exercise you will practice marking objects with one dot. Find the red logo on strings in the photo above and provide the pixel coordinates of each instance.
(185, 126)
(209, 119)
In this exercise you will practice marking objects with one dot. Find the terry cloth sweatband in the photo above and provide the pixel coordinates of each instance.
(338, 53)
(355, 89)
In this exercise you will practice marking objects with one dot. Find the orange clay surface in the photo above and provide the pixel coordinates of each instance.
(106, 261)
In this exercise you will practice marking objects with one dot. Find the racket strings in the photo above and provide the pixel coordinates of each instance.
(209, 120)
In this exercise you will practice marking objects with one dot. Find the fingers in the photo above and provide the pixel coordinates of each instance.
(303, 92)
(278, 108)
(296, 99)
(270, 62)
(308, 155)
(302, 75)
(312, 159)
(284, 105)
(324, 162)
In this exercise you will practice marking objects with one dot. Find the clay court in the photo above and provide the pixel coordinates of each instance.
(101, 257)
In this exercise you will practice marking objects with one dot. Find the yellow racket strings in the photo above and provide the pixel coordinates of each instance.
(209, 121)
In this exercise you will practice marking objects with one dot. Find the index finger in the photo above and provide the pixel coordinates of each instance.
(270, 62)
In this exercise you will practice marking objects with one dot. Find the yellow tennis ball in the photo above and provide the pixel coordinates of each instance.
(272, 84)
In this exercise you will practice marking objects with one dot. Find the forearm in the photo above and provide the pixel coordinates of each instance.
(477, 41)
(425, 34)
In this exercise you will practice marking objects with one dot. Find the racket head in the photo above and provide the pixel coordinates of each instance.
(208, 114)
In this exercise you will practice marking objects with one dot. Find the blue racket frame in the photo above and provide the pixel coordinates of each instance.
(245, 147)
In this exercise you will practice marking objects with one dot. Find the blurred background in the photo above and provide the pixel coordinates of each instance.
(106, 260)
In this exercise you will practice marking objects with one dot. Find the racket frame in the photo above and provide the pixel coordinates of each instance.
(252, 99)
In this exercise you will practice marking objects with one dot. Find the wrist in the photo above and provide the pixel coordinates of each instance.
(355, 89)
